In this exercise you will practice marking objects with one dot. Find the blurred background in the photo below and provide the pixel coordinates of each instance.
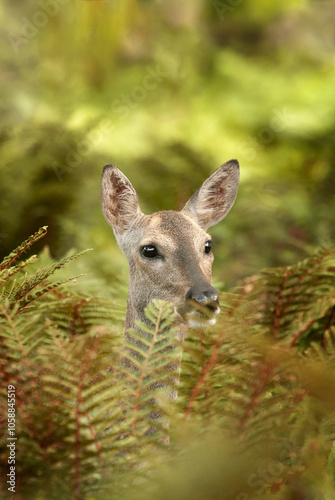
(169, 90)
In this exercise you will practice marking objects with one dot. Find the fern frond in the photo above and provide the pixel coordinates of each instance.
(296, 290)
(77, 315)
(8, 272)
(63, 370)
(40, 276)
(19, 292)
(93, 418)
(15, 254)
(150, 366)
(26, 300)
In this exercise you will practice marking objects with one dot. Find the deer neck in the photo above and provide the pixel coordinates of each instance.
(133, 314)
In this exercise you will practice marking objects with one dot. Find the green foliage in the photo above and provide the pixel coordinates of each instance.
(220, 90)
(150, 368)
(79, 415)
(254, 416)
(20, 293)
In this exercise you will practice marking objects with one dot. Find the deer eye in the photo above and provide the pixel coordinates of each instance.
(208, 247)
(149, 251)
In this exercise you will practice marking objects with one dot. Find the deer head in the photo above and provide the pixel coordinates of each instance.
(169, 252)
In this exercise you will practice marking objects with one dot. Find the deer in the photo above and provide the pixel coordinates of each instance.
(169, 252)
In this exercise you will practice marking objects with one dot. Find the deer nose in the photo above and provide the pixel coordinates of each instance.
(204, 296)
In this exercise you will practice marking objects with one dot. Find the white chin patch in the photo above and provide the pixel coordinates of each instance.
(198, 318)
(195, 320)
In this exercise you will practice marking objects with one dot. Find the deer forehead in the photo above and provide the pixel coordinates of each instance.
(169, 229)
(172, 228)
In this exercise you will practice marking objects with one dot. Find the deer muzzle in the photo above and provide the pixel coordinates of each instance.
(202, 305)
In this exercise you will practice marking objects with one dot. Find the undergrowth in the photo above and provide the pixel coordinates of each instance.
(96, 418)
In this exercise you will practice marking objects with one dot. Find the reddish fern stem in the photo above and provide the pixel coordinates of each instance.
(302, 331)
(10, 378)
(76, 316)
(79, 401)
(238, 300)
(19, 341)
(309, 325)
(5, 373)
(205, 371)
(38, 283)
(59, 295)
(264, 373)
(278, 308)
(76, 473)
(93, 348)
(329, 324)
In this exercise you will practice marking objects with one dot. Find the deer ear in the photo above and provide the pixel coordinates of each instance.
(215, 197)
(119, 201)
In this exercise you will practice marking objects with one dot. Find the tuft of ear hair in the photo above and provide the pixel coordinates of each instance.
(119, 201)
